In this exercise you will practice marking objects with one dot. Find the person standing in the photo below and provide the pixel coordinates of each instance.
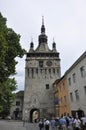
(71, 120)
(77, 124)
(63, 123)
(53, 124)
(41, 124)
(47, 124)
(83, 121)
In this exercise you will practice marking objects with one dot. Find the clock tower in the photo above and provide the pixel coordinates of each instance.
(41, 70)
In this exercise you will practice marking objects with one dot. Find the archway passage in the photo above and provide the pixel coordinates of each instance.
(80, 113)
(34, 115)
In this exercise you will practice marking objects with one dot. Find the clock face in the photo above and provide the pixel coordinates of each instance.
(49, 63)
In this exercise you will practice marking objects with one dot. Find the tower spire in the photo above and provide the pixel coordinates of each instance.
(42, 27)
(31, 44)
(54, 45)
(42, 37)
(42, 20)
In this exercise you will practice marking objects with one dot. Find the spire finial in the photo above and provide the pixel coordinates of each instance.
(31, 39)
(31, 44)
(54, 44)
(53, 40)
(42, 20)
(42, 27)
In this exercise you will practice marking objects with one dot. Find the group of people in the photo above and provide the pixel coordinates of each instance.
(63, 123)
(44, 124)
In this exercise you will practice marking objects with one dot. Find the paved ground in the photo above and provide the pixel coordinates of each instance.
(31, 126)
(16, 125)
(11, 125)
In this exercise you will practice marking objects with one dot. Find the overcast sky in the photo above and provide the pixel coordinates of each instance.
(65, 21)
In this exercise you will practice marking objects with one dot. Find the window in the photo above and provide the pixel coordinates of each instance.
(74, 78)
(82, 71)
(60, 88)
(64, 99)
(17, 103)
(41, 71)
(69, 80)
(47, 86)
(63, 86)
(54, 71)
(37, 70)
(58, 71)
(61, 100)
(77, 95)
(71, 97)
(85, 89)
(40, 63)
(50, 71)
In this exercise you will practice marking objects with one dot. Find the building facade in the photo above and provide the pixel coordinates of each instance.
(76, 81)
(17, 106)
(42, 69)
(70, 90)
(62, 105)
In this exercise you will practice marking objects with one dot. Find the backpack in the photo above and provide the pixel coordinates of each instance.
(41, 124)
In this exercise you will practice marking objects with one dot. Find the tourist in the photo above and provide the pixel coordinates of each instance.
(53, 124)
(41, 124)
(47, 124)
(77, 123)
(63, 123)
(83, 120)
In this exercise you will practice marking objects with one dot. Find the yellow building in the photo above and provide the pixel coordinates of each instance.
(62, 106)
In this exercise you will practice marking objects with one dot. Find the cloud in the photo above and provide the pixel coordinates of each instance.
(65, 20)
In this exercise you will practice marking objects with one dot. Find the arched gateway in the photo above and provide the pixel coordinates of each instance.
(34, 115)
(41, 70)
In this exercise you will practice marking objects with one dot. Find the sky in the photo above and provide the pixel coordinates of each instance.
(65, 21)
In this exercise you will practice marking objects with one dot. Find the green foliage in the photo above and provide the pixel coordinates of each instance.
(10, 48)
(7, 96)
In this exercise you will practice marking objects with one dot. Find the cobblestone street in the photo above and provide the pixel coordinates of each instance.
(16, 125)
(11, 125)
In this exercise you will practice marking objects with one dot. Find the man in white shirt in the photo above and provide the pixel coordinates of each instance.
(47, 124)
(77, 124)
(83, 119)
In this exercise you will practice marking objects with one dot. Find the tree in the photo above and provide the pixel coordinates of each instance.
(7, 97)
(10, 48)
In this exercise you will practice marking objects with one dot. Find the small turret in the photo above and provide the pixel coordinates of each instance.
(31, 46)
(54, 45)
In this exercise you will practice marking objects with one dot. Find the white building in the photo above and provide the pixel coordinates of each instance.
(76, 79)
